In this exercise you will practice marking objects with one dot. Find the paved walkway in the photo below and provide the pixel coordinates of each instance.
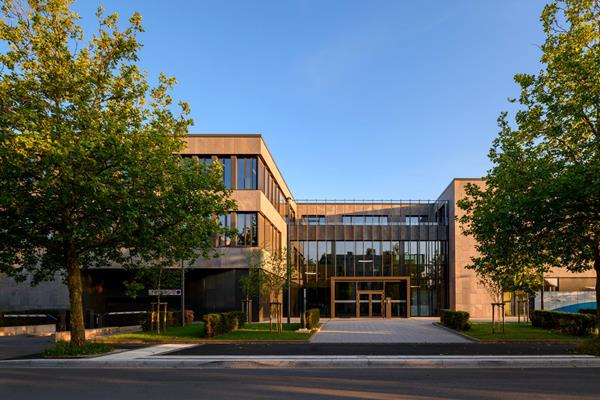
(385, 331)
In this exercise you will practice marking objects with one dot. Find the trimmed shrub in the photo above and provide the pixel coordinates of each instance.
(591, 311)
(240, 317)
(458, 320)
(565, 322)
(218, 323)
(213, 324)
(312, 318)
(230, 321)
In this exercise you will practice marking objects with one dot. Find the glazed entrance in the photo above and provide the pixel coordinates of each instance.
(362, 297)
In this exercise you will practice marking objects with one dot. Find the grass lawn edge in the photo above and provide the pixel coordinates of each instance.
(555, 337)
(147, 338)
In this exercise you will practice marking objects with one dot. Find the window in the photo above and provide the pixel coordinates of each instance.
(314, 219)
(226, 162)
(364, 219)
(415, 219)
(205, 160)
(223, 238)
(247, 173)
(247, 229)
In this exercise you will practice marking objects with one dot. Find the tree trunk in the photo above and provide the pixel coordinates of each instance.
(76, 303)
(597, 269)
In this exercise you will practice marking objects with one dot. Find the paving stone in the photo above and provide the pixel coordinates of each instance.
(384, 331)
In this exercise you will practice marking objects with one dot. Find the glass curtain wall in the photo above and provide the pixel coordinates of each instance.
(411, 241)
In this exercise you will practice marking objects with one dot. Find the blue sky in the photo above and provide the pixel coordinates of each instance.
(356, 99)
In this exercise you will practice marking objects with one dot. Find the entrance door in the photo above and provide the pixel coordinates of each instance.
(369, 304)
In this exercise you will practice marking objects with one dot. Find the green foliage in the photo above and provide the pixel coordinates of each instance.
(66, 349)
(540, 202)
(88, 175)
(173, 319)
(312, 318)
(250, 284)
(219, 323)
(272, 268)
(517, 332)
(569, 323)
(589, 346)
(175, 333)
(239, 317)
(590, 311)
(458, 320)
(212, 325)
(262, 332)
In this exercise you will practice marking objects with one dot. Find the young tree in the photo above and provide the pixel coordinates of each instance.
(153, 277)
(250, 285)
(273, 278)
(541, 204)
(88, 175)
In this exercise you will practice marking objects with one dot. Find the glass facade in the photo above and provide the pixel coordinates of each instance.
(251, 173)
(247, 173)
(398, 255)
(251, 230)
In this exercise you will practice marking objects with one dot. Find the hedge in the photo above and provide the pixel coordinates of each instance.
(569, 323)
(591, 311)
(219, 323)
(458, 320)
(312, 318)
(212, 325)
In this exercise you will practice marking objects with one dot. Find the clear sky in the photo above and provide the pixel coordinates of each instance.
(356, 99)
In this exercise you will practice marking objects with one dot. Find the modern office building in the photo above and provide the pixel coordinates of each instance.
(347, 256)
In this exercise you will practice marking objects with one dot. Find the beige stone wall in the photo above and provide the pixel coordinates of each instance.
(238, 145)
(466, 294)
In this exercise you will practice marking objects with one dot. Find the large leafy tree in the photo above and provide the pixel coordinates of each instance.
(540, 206)
(88, 171)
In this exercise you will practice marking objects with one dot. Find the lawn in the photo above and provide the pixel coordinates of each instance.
(179, 333)
(515, 332)
(195, 332)
(260, 331)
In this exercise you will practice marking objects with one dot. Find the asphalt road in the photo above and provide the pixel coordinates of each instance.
(365, 383)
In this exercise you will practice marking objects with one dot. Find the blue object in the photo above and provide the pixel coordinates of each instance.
(576, 307)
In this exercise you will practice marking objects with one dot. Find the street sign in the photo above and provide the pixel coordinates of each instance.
(164, 292)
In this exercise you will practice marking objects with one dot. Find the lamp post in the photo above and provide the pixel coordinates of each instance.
(289, 263)
(182, 294)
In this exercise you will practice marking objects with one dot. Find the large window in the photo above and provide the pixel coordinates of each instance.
(364, 219)
(247, 229)
(247, 176)
(314, 219)
(226, 162)
(415, 219)
(224, 239)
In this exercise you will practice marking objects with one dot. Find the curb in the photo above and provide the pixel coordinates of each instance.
(464, 335)
(234, 362)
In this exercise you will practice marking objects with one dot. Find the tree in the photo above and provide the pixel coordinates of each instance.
(153, 277)
(250, 286)
(273, 278)
(541, 204)
(89, 174)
